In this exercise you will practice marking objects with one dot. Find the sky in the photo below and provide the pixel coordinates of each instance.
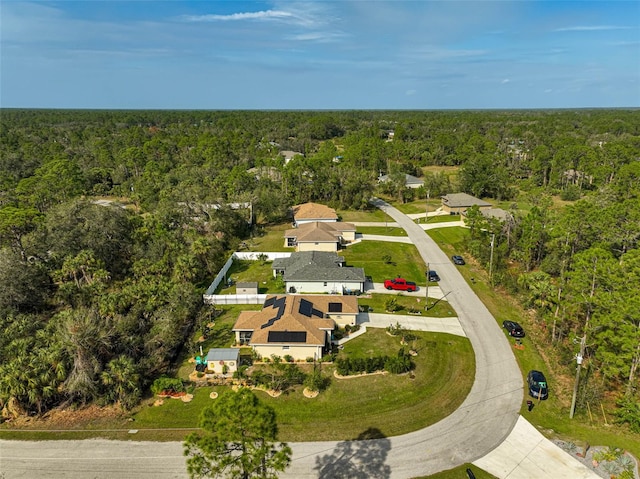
(338, 54)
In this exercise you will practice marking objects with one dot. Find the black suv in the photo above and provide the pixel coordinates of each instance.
(433, 276)
(537, 385)
(514, 329)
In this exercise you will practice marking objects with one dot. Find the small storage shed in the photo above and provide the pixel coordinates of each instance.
(247, 288)
(223, 361)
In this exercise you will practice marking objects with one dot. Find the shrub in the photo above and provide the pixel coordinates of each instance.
(168, 384)
(288, 358)
(629, 412)
(315, 381)
(309, 359)
(391, 304)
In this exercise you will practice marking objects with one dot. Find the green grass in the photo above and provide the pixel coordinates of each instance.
(405, 260)
(271, 239)
(392, 404)
(550, 416)
(441, 309)
(251, 271)
(440, 219)
(460, 473)
(375, 215)
(382, 230)
(417, 206)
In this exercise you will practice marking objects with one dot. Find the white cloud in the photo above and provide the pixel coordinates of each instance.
(263, 15)
(590, 28)
(506, 80)
(410, 92)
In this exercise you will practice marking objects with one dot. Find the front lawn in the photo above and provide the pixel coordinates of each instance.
(407, 303)
(393, 404)
(404, 260)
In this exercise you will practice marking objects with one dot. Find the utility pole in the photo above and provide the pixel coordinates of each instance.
(493, 237)
(426, 298)
(426, 213)
(579, 358)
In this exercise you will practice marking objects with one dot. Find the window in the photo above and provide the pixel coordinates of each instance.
(325, 283)
(285, 348)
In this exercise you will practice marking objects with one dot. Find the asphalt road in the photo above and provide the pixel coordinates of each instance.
(479, 425)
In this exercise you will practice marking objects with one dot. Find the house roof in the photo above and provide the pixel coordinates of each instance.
(408, 179)
(294, 319)
(223, 354)
(288, 154)
(314, 211)
(497, 213)
(462, 200)
(319, 232)
(317, 266)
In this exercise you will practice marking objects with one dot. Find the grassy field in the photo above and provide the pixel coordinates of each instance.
(405, 260)
(408, 302)
(374, 215)
(382, 230)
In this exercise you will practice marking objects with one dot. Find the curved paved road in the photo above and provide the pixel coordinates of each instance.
(478, 426)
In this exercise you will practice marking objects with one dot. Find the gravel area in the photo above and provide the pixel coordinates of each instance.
(604, 468)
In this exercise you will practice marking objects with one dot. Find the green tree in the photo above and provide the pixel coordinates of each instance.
(239, 440)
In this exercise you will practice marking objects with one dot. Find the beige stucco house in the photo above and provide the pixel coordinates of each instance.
(313, 212)
(320, 236)
(295, 325)
(458, 203)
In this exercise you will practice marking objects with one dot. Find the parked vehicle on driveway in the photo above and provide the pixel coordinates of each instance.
(514, 329)
(433, 276)
(537, 385)
(457, 259)
(400, 284)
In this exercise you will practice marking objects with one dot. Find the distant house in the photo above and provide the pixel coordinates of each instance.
(318, 272)
(311, 212)
(289, 155)
(458, 203)
(499, 214)
(410, 181)
(320, 236)
(223, 361)
(295, 325)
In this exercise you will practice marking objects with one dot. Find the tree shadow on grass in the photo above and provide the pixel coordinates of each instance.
(363, 458)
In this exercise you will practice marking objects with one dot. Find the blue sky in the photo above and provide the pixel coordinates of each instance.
(336, 54)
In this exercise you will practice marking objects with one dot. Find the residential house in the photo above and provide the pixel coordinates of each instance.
(410, 181)
(318, 272)
(458, 203)
(289, 155)
(223, 361)
(313, 212)
(296, 325)
(320, 236)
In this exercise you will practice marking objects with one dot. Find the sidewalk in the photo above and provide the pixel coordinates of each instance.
(526, 454)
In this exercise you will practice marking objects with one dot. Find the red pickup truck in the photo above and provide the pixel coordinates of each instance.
(400, 284)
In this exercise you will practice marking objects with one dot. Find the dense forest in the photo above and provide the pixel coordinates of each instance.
(98, 300)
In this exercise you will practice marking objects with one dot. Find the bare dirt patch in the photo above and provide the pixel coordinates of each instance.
(89, 417)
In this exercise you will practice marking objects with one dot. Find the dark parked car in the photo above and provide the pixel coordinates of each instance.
(457, 259)
(513, 328)
(537, 385)
(433, 276)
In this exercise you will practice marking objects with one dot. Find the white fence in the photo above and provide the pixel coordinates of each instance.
(222, 274)
(234, 298)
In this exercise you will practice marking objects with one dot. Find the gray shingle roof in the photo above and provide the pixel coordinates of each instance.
(462, 200)
(317, 266)
(223, 354)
